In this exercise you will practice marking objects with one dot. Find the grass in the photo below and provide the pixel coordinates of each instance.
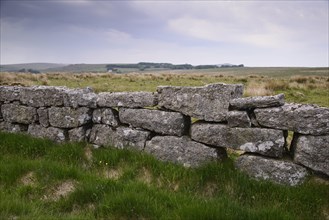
(301, 85)
(43, 180)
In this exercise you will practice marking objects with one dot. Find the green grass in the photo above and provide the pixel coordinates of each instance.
(122, 184)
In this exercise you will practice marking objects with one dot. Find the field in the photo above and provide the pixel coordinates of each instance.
(43, 180)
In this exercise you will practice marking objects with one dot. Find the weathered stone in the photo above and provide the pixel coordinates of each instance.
(304, 119)
(181, 150)
(43, 116)
(312, 152)
(209, 103)
(264, 141)
(13, 128)
(77, 134)
(278, 171)
(168, 123)
(67, 117)
(130, 138)
(127, 99)
(54, 134)
(106, 116)
(19, 113)
(40, 96)
(102, 135)
(9, 93)
(80, 98)
(238, 119)
(257, 102)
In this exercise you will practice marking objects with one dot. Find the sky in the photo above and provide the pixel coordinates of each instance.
(253, 33)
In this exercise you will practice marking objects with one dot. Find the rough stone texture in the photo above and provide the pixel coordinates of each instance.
(312, 152)
(257, 102)
(40, 96)
(80, 98)
(77, 134)
(238, 119)
(13, 128)
(43, 116)
(106, 116)
(209, 103)
(264, 141)
(19, 113)
(101, 135)
(127, 99)
(180, 150)
(55, 134)
(168, 123)
(130, 138)
(9, 93)
(304, 119)
(67, 117)
(281, 172)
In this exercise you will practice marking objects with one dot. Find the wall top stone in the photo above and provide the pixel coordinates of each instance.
(257, 102)
(210, 102)
(127, 99)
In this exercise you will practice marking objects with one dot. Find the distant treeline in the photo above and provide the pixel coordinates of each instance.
(147, 65)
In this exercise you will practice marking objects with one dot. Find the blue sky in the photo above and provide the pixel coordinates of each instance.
(255, 33)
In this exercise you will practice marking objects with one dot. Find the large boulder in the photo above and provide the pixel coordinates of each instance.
(10, 93)
(180, 150)
(278, 171)
(209, 103)
(12, 128)
(167, 123)
(67, 117)
(301, 118)
(312, 152)
(130, 138)
(257, 102)
(80, 98)
(127, 99)
(106, 116)
(102, 135)
(40, 96)
(18, 113)
(54, 134)
(268, 142)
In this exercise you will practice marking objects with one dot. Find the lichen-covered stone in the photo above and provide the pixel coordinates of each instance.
(9, 93)
(40, 96)
(181, 150)
(102, 135)
(12, 128)
(127, 99)
(263, 141)
(106, 116)
(278, 171)
(54, 134)
(168, 123)
(312, 152)
(67, 117)
(77, 134)
(130, 138)
(80, 98)
(209, 103)
(19, 114)
(257, 102)
(301, 118)
(43, 116)
(238, 119)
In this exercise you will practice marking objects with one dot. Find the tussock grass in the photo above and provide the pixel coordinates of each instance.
(61, 181)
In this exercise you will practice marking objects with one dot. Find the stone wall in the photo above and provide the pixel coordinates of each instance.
(161, 124)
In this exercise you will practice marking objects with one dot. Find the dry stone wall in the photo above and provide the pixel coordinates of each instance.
(161, 124)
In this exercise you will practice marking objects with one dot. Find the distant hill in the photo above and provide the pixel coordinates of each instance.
(79, 68)
(34, 66)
